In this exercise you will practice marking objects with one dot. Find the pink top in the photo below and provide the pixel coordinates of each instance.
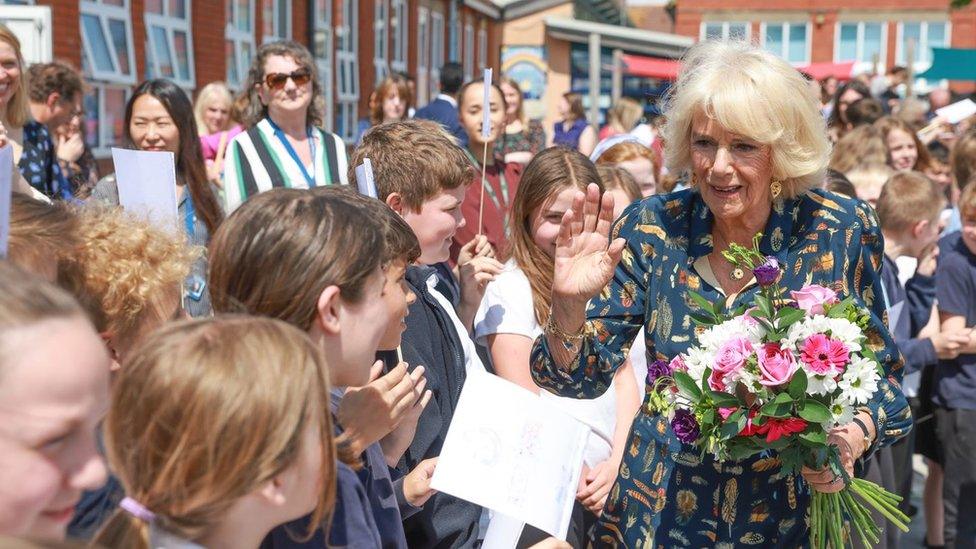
(209, 143)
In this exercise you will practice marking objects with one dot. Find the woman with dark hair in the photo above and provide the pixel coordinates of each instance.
(849, 92)
(159, 117)
(573, 131)
(284, 144)
(390, 102)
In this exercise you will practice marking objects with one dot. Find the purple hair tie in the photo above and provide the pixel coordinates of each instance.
(137, 510)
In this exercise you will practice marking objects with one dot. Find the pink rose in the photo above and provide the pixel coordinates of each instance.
(776, 365)
(824, 355)
(716, 381)
(726, 412)
(732, 355)
(812, 298)
(748, 318)
(678, 364)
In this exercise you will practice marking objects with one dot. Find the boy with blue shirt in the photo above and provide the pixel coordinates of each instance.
(955, 379)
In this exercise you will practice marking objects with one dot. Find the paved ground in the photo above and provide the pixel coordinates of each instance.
(915, 538)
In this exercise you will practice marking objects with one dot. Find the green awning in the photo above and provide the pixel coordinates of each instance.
(951, 64)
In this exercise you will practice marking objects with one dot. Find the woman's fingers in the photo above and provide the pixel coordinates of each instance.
(579, 201)
(605, 219)
(591, 208)
(564, 240)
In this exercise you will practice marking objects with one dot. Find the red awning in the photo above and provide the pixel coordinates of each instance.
(819, 71)
(651, 67)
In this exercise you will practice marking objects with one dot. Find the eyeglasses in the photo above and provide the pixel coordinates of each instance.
(277, 80)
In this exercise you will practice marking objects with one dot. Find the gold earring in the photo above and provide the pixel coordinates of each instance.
(776, 188)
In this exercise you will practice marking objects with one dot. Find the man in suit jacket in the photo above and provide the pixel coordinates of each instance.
(443, 109)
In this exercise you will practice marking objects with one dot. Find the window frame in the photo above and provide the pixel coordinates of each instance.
(786, 26)
(104, 13)
(424, 71)
(171, 25)
(104, 140)
(400, 34)
(239, 38)
(726, 26)
(921, 64)
(437, 52)
(482, 40)
(275, 23)
(347, 65)
(862, 66)
(381, 40)
(468, 51)
(324, 60)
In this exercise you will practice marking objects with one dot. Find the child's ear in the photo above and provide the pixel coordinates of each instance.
(395, 202)
(112, 351)
(919, 228)
(327, 310)
(272, 492)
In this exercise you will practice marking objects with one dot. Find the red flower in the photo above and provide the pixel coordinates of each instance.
(750, 428)
(776, 428)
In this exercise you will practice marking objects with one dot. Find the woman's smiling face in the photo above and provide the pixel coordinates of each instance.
(733, 172)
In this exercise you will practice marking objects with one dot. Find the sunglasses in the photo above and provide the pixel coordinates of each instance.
(277, 80)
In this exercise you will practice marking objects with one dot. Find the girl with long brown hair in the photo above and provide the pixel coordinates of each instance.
(517, 305)
(159, 117)
(522, 138)
(273, 461)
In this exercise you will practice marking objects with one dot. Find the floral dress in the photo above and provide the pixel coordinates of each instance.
(531, 139)
(667, 494)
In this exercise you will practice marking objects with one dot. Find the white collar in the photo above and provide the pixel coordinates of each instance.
(161, 539)
(448, 98)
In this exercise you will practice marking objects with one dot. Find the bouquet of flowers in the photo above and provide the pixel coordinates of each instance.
(776, 377)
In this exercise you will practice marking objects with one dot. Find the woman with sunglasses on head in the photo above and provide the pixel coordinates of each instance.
(284, 144)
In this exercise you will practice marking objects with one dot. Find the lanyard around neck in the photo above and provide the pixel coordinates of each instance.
(280, 134)
(501, 207)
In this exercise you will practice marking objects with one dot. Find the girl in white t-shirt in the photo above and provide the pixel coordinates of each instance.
(516, 306)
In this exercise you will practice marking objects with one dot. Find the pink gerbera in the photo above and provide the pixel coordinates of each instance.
(824, 355)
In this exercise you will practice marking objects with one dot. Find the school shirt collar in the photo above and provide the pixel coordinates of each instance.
(448, 98)
(774, 239)
(161, 539)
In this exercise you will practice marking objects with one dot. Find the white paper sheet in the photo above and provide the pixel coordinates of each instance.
(486, 106)
(511, 452)
(147, 184)
(6, 187)
(503, 532)
(364, 179)
(958, 111)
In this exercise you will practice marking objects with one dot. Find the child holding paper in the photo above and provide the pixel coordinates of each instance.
(423, 176)
(271, 459)
(516, 306)
(501, 178)
(159, 117)
(316, 259)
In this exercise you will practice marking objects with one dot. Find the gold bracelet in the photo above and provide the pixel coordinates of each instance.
(551, 328)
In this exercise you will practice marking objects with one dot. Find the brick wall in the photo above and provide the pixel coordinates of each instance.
(65, 15)
(210, 58)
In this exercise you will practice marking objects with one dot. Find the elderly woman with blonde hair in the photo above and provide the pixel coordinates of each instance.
(748, 129)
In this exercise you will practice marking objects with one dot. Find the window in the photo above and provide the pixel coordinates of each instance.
(399, 30)
(788, 40)
(468, 51)
(381, 39)
(424, 79)
(347, 68)
(106, 32)
(725, 31)
(169, 42)
(482, 48)
(863, 42)
(239, 40)
(322, 51)
(925, 35)
(436, 51)
(276, 20)
(104, 116)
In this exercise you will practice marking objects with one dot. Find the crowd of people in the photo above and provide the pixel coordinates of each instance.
(281, 369)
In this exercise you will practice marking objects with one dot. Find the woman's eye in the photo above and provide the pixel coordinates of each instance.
(744, 147)
(702, 143)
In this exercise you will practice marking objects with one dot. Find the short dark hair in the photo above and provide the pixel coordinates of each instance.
(939, 152)
(864, 111)
(54, 77)
(452, 76)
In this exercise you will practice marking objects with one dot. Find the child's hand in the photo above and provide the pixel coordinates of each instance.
(477, 267)
(397, 442)
(596, 485)
(928, 260)
(416, 485)
(477, 247)
(369, 413)
(949, 344)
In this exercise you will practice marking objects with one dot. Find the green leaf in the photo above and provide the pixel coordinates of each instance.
(723, 400)
(818, 437)
(798, 385)
(814, 412)
(701, 301)
(687, 385)
(783, 398)
(704, 320)
(789, 315)
(776, 409)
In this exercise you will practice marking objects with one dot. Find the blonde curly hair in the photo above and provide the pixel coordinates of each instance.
(126, 270)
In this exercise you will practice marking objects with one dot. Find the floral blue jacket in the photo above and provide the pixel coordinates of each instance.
(666, 494)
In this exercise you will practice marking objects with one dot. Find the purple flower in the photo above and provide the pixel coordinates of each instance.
(685, 426)
(768, 273)
(657, 369)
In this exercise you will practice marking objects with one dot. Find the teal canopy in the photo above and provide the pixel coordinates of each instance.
(951, 64)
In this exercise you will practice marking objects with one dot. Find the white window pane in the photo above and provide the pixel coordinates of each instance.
(120, 40)
(245, 55)
(92, 115)
(95, 38)
(737, 31)
(848, 42)
(713, 31)
(182, 53)
(910, 33)
(164, 58)
(774, 38)
(798, 44)
(872, 42)
(243, 15)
